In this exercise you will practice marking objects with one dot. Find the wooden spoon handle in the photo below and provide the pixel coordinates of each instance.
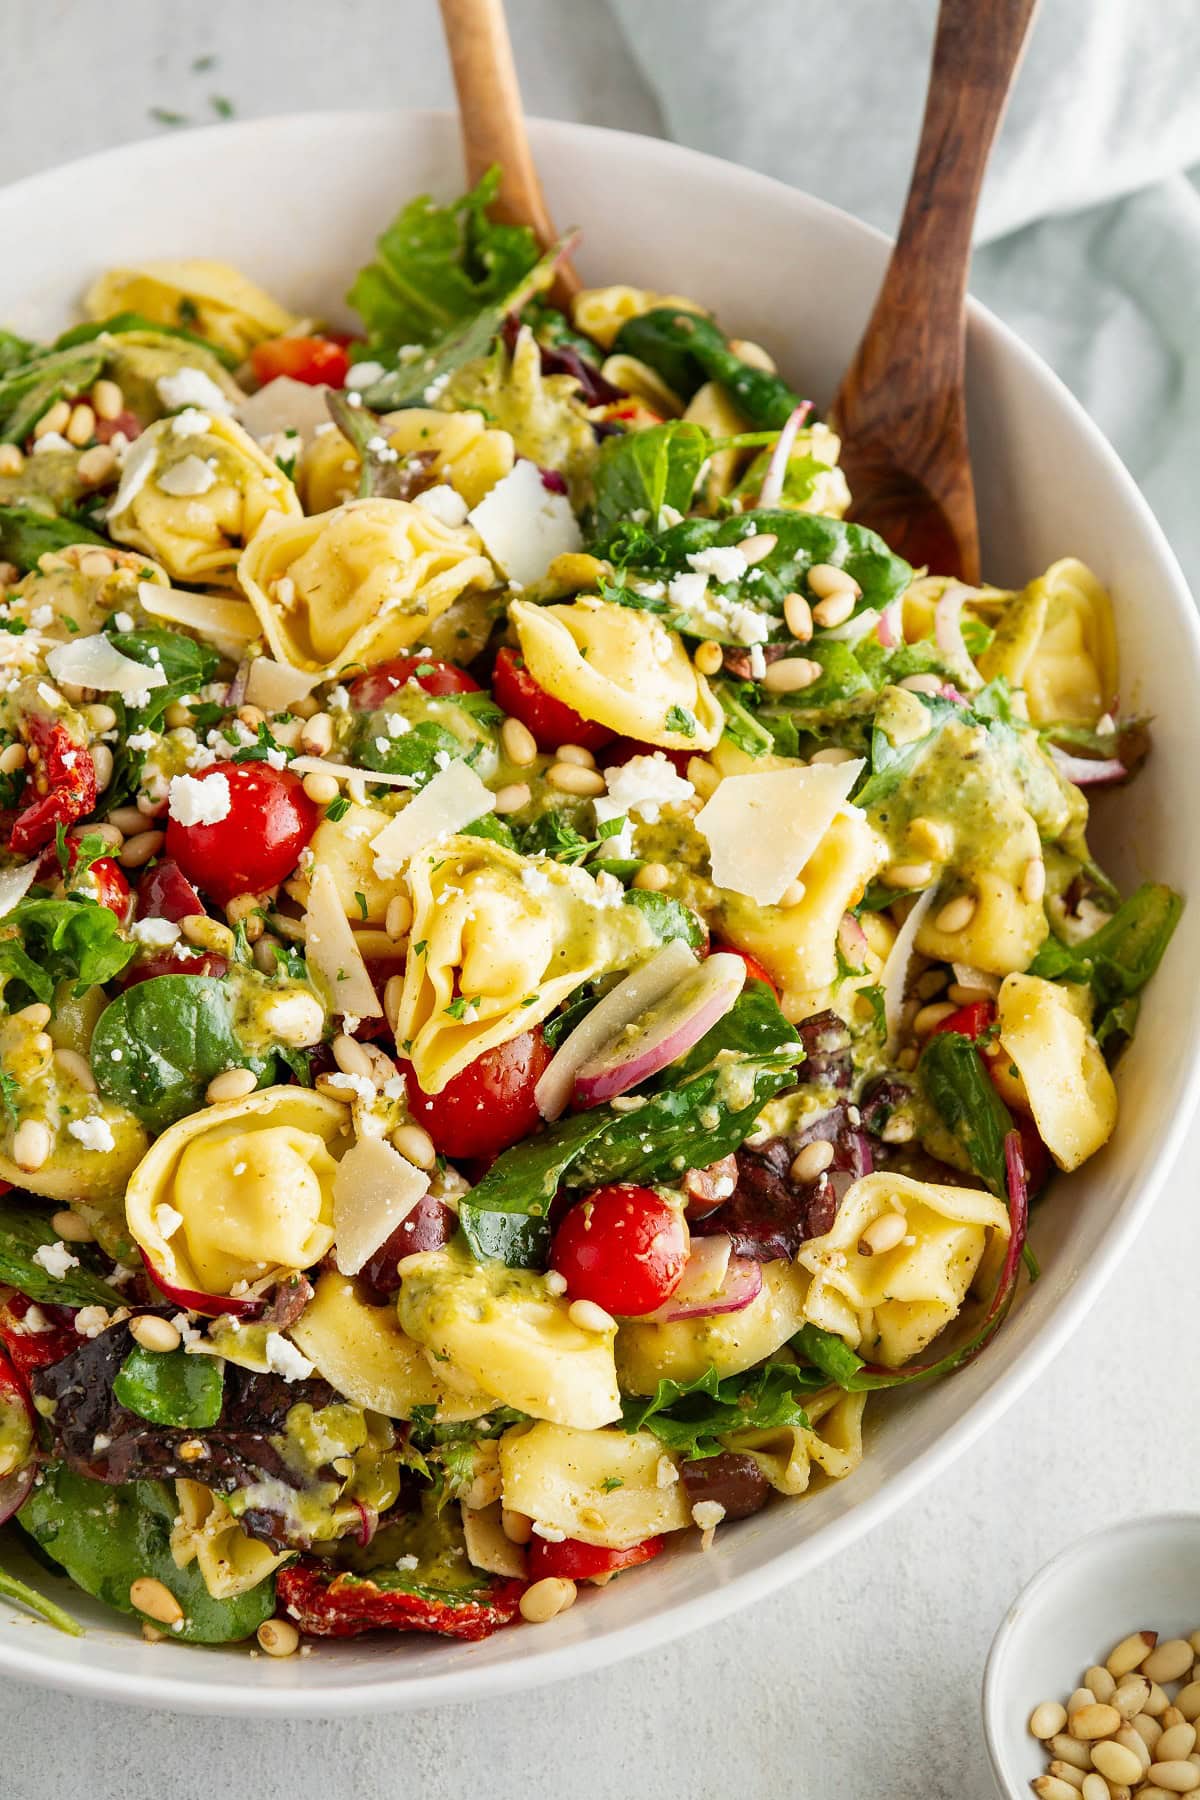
(492, 119)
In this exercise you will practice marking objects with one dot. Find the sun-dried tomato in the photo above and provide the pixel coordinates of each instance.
(29, 1350)
(61, 787)
(328, 1603)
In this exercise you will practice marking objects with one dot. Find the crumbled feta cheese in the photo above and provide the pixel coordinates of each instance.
(187, 1331)
(158, 932)
(203, 800)
(687, 592)
(55, 1259)
(642, 787)
(40, 617)
(549, 1532)
(445, 505)
(191, 387)
(90, 1321)
(707, 1514)
(668, 516)
(364, 375)
(143, 740)
(50, 440)
(284, 1359)
(724, 562)
(92, 1133)
(665, 1474)
(123, 621)
(758, 662)
(168, 1220)
(189, 477)
(191, 422)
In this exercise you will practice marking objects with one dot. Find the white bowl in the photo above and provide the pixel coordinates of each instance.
(1143, 1574)
(297, 202)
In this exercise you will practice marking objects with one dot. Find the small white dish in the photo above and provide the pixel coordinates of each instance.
(1140, 1575)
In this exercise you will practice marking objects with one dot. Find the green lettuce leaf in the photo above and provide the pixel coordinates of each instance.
(691, 1417)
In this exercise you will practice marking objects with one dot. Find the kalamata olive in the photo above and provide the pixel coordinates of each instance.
(733, 1479)
(707, 1188)
(429, 1226)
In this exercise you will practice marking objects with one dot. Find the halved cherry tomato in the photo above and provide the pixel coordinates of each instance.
(106, 880)
(577, 1561)
(754, 969)
(379, 684)
(490, 1104)
(28, 1349)
(551, 723)
(311, 359)
(969, 1021)
(622, 1247)
(61, 787)
(257, 843)
(178, 960)
(164, 892)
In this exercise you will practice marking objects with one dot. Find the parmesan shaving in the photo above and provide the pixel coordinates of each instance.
(374, 1191)
(15, 884)
(275, 686)
(762, 828)
(229, 624)
(95, 662)
(893, 977)
(320, 765)
(454, 798)
(334, 958)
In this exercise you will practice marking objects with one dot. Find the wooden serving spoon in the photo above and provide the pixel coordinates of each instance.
(901, 407)
(493, 122)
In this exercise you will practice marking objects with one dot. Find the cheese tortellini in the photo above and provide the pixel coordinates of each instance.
(1070, 1091)
(1057, 640)
(503, 944)
(358, 584)
(212, 299)
(83, 585)
(240, 1190)
(890, 1304)
(622, 668)
(683, 1349)
(461, 448)
(831, 1442)
(193, 494)
(208, 1534)
(601, 312)
(612, 1488)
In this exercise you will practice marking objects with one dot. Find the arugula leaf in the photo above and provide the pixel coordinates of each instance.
(173, 1034)
(691, 1417)
(27, 533)
(32, 388)
(438, 265)
(958, 1087)
(492, 827)
(169, 1387)
(1118, 960)
(24, 1230)
(643, 471)
(48, 941)
(106, 1537)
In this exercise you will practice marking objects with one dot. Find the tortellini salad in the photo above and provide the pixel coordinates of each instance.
(539, 964)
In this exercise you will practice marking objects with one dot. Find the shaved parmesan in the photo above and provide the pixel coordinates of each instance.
(374, 1190)
(285, 405)
(95, 662)
(524, 526)
(275, 686)
(229, 624)
(893, 977)
(321, 765)
(454, 798)
(189, 477)
(334, 959)
(762, 828)
(15, 884)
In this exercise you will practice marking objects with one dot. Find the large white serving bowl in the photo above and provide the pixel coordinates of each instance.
(297, 203)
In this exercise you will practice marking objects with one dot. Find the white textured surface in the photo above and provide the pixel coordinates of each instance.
(863, 1681)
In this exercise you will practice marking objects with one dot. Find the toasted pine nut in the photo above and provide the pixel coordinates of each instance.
(757, 545)
(709, 657)
(54, 419)
(198, 928)
(1083, 1696)
(1033, 881)
(513, 797)
(1100, 1681)
(36, 1015)
(392, 993)
(576, 753)
(652, 877)
(811, 1161)
(241, 907)
(12, 758)
(278, 1637)
(1168, 1661)
(825, 580)
(230, 1084)
(251, 717)
(323, 789)
(956, 915)
(932, 836)
(31, 1145)
(929, 985)
(797, 616)
(834, 611)
(1177, 1777)
(102, 762)
(77, 1069)
(127, 819)
(883, 1234)
(900, 1129)
(397, 921)
(351, 1057)
(1130, 1695)
(544, 1600)
(1072, 1776)
(966, 996)
(833, 754)
(136, 851)
(791, 674)
(80, 426)
(153, 1333)
(703, 776)
(520, 745)
(108, 400)
(908, 875)
(1049, 1787)
(70, 1227)
(930, 1016)
(1148, 1729)
(155, 1600)
(570, 778)
(316, 738)
(1157, 1704)
(1094, 1787)
(1070, 1750)
(921, 684)
(590, 1317)
(415, 1144)
(1176, 1745)
(1092, 1720)
(97, 464)
(1116, 1763)
(12, 459)
(1133, 1741)
(1188, 1701)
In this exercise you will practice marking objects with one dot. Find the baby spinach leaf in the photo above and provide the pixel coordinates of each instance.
(107, 1537)
(27, 533)
(686, 347)
(24, 1231)
(960, 1091)
(186, 664)
(48, 941)
(414, 753)
(22, 1595)
(172, 1034)
(643, 471)
(171, 1388)
(668, 918)
(506, 1214)
(691, 1417)
(1118, 960)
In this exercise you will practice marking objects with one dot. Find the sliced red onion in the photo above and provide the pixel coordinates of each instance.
(241, 1306)
(665, 1032)
(853, 941)
(14, 1491)
(236, 691)
(889, 630)
(608, 1018)
(696, 1298)
(771, 491)
(1088, 771)
(950, 692)
(368, 1523)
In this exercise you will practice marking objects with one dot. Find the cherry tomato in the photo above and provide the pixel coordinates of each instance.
(379, 684)
(625, 749)
(551, 723)
(126, 425)
(577, 1561)
(61, 787)
(164, 892)
(490, 1105)
(175, 961)
(311, 359)
(1035, 1153)
(754, 969)
(105, 879)
(623, 1247)
(257, 843)
(969, 1021)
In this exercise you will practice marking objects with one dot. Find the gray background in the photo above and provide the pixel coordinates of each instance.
(862, 1681)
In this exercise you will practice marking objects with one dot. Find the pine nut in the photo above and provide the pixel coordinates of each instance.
(153, 1333)
(54, 419)
(797, 616)
(102, 762)
(709, 657)
(1033, 881)
(1049, 1787)
(1094, 1787)
(932, 836)
(136, 851)
(1148, 1729)
(1171, 1717)
(791, 674)
(1070, 1750)
(921, 684)
(956, 915)
(908, 875)
(652, 877)
(12, 758)
(1092, 1720)
(833, 755)
(516, 1526)
(929, 985)
(251, 717)
(31, 1145)
(1158, 1703)
(703, 776)
(415, 1144)
(80, 426)
(1177, 1777)
(77, 1069)
(316, 738)
(199, 929)
(68, 1226)
(1133, 1741)
(1074, 1777)
(1083, 1696)
(278, 1637)
(590, 1317)
(899, 1129)
(545, 1599)
(883, 1234)
(97, 464)
(126, 819)
(834, 611)
(812, 1161)
(108, 400)
(1101, 1683)
(230, 1084)
(520, 745)
(12, 459)
(513, 797)
(825, 581)
(791, 896)
(930, 1016)
(758, 545)
(1194, 1641)
(36, 1015)
(393, 993)
(351, 1057)
(193, 1450)
(397, 921)
(241, 907)
(1168, 1661)
(966, 996)
(1116, 1762)
(155, 1600)
(1188, 1701)
(1177, 1744)
(575, 753)
(1129, 1695)
(323, 789)
(570, 778)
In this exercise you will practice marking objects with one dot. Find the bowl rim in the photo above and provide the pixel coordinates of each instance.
(537, 1668)
(1076, 1550)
